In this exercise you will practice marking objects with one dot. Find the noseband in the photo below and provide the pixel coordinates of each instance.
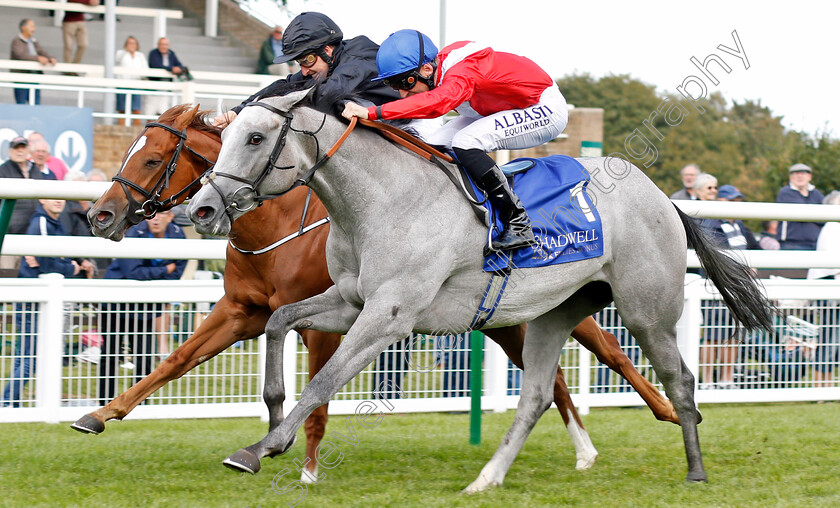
(249, 187)
(152, 204)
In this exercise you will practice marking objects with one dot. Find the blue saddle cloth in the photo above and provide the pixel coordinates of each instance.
(565, 220)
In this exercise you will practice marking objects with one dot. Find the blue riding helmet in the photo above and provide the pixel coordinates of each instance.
(400, 53)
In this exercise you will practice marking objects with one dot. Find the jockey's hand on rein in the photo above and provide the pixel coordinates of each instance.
(352, 109)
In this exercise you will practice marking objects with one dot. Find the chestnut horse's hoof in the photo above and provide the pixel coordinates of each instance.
(88, 425)
(243, 461)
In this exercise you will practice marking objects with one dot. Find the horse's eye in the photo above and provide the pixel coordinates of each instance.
(256, 139)
(152, 163)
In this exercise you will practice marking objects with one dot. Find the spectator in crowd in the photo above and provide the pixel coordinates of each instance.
(769, 235)
(163, 58)
(19, 167)
(731, 234)
(74, 29)
(54, 164)
(828, 350)
(132, 321)
(271, 49)
(74, 219)
(44, 222)
(717, 345)
(688, 174)
(26, 47)
(799, 235)
(39, 153)
(130, 56)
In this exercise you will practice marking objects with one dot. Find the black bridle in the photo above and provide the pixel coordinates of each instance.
(152, 205)
(249, 187)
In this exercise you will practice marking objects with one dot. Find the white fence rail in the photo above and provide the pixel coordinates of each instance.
(432, 373)
(18, 245)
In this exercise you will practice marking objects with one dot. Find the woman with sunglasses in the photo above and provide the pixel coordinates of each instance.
(344, 68)
(505, 101)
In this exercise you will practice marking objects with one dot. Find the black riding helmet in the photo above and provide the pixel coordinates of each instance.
(309, 32)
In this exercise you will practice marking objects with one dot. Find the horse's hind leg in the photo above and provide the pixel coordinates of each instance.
(511, 340)
(544, 341)
(321, 347)
(606, 348)
(655, 331)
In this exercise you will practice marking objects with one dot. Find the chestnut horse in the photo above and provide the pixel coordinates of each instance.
(257, 284)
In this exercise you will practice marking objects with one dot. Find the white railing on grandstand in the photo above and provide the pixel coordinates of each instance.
(213, 90)
(194, 249)
(63, 386)
(98, 71)
(59, 6)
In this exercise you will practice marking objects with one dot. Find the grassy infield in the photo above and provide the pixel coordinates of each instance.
(755, 455)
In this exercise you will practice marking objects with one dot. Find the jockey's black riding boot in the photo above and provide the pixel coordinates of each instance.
(516, 226)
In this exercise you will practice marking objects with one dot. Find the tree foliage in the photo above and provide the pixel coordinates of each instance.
(742, 144)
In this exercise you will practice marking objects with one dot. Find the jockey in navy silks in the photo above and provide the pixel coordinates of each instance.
(344, 68)
(505, 101)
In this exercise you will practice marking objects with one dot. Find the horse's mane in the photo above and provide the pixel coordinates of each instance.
(197, 122)
(283, 87)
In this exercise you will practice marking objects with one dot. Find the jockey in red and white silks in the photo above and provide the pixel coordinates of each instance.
(505, 101)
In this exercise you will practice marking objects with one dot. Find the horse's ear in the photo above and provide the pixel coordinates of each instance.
(185, 118)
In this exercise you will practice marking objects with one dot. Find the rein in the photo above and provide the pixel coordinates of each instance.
(248, 190)
(250, 186)
(152, 204)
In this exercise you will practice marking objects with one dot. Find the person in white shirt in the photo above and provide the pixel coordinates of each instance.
(130, 56)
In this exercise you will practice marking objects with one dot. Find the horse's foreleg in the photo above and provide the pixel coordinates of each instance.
(321, 347)
(327, 311)
(226, 324)
(511, 339)
(540, 354)
(608, 351)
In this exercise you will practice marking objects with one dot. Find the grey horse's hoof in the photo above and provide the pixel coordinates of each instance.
(243, 461)
(696, 477)
(88, 425)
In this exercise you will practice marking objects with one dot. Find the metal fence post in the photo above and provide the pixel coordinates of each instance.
(688, 327)
(7, 206)
(48, 368)
(476, 360)
(211, 18)
(290, 362)
(160, 25)
(585, 362)
(497, 378)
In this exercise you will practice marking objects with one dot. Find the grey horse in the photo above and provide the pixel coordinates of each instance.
(405, 254)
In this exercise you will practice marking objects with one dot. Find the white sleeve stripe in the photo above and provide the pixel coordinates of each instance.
(43, 225)
(456, 55)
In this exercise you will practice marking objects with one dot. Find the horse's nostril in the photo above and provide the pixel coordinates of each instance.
(103, 216)
(202, 212)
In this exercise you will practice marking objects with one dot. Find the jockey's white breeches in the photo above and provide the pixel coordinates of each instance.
(512, 129)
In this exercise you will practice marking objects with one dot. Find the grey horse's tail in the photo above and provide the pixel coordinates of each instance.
(733, 279)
